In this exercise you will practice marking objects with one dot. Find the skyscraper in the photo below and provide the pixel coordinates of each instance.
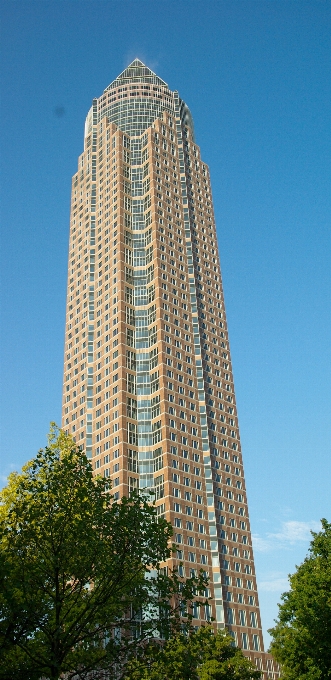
(148, 387)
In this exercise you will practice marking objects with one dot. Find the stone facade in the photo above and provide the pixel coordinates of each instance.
(148, 386)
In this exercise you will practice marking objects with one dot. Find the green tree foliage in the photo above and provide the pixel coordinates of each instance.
(200, 655)
(80, 577)
(302, 634)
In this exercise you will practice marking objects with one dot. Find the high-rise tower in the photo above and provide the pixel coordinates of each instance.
(148, 388)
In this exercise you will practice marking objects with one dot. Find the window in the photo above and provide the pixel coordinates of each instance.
(156, 431)
(231, 616)
(155, 403)
(160, 510)
(195, 610)
(130, 359)
(129, 316)
(152, 316)
(132, 433)
(133, 484)
(129, 295)
(131, 383)
(244, 639)
(159, 487)
(153, 358)
(131, 407)
(151, 293)
(157, 459)
(256, 643)
(132, 460)
(242, 617)
(253, 619)
(154, 381)
(130, 339)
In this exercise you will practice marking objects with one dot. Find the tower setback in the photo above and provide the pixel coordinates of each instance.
(148, 387)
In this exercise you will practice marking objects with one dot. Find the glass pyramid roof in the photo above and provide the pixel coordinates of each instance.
(136, 72)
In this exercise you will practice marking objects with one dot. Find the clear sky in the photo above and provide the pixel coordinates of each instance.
(256, 76)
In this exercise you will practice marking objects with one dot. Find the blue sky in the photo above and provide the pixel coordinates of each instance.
(256, 75)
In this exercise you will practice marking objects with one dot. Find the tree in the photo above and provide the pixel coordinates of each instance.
(80, 577)
(199, 655)
(302, 634)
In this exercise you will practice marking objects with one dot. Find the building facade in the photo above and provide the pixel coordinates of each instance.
(148, 387)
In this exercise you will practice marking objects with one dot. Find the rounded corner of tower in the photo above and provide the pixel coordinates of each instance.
(188, 119)
(88, 122)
